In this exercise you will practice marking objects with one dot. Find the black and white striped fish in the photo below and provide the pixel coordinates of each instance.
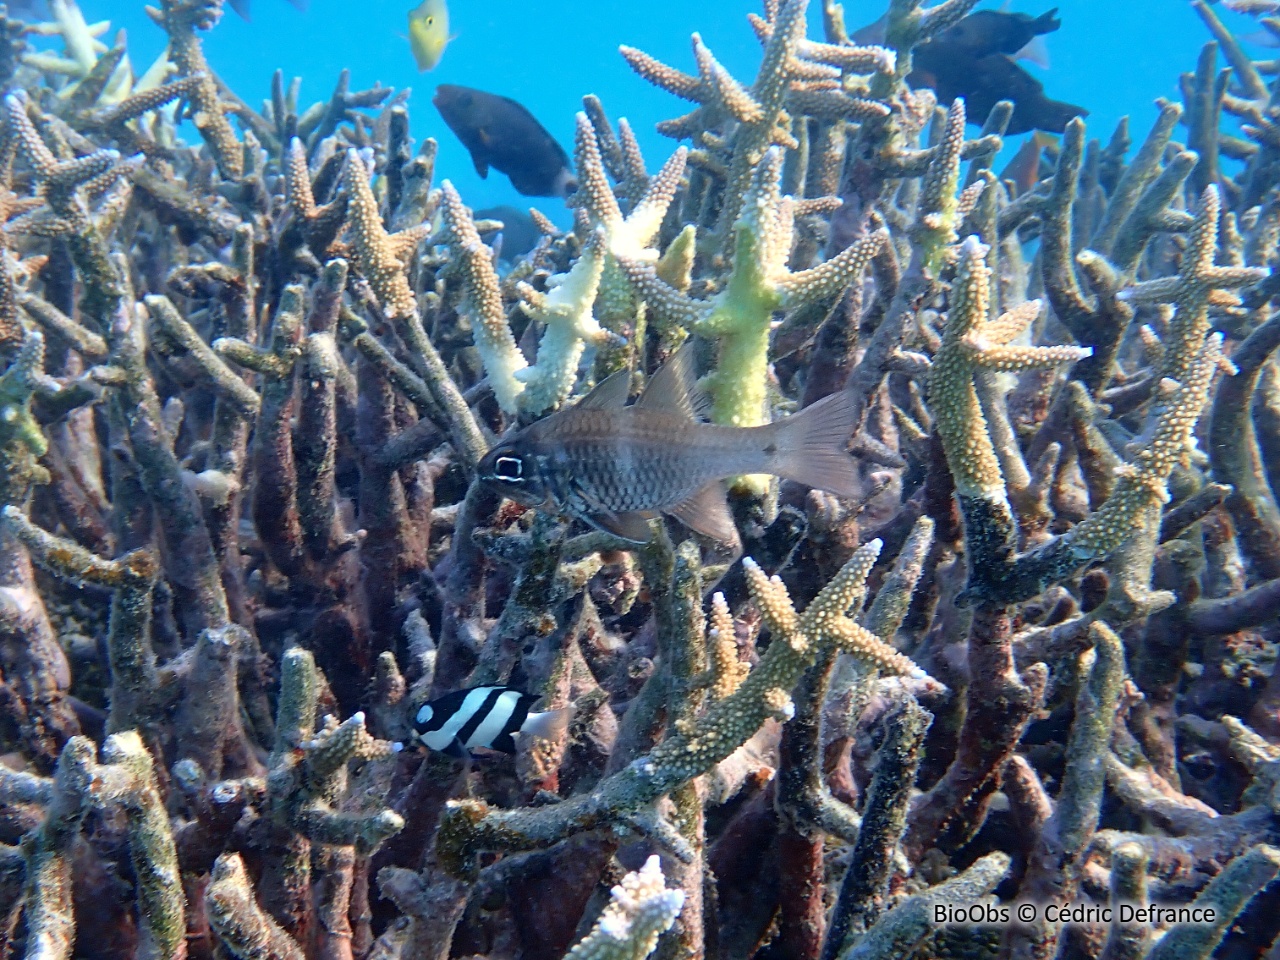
(484, 718)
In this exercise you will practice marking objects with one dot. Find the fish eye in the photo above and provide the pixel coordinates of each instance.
(510, 469)
(430, 21)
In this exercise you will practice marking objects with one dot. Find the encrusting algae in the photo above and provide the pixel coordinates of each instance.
(266, 405)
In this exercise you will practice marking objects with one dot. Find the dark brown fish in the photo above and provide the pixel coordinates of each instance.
(998, 31)
(617, 466)
(985, 81)
(500, 133)
(981, 32)
(519, 233)
(975, 60)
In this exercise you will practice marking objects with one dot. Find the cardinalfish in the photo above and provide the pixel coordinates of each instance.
(617, 467)
(429, 32)
(484, 720)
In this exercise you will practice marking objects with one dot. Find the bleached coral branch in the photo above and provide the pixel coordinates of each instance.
(640, 910)
(570, 327)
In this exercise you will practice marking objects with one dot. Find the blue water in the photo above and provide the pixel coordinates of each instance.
(1114, 58)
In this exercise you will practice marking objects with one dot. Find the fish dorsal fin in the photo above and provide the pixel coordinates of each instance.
(675, 387)
(707, 512)
(609, 394)
(628, 526)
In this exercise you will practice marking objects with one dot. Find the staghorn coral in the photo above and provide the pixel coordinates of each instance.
(125, 781)
(238, 921)
(740, 317)
(760, 111)
(381, 256)
(641, 908)
(566, 312)
(241, 542)
(699, 743)
(182, 20)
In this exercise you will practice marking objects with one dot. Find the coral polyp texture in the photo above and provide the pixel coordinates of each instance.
(251, 365)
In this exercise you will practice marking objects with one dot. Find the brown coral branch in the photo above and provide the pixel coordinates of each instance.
(1234, 454)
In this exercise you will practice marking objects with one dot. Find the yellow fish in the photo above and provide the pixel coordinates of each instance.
(429, 32)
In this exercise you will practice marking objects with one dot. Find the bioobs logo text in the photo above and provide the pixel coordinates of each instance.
(971, 915)
(986, 913)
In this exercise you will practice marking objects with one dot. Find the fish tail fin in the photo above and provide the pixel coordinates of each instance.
(548, 725)
(811, 446)
(1054, 115)
(1047, 22)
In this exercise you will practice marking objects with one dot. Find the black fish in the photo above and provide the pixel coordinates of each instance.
(242, 6)
(500, 133)
(484, 718)
(997, 31)
(983, 82)
(519, 233)
(974, 59)
(980, 33)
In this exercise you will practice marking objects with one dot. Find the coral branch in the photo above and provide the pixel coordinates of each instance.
(641, 908)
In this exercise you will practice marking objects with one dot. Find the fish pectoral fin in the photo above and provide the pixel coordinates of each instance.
(1036, 51)
(675, 387)
(707, 512)
(609, 394)
(628, 526)
(546, 725)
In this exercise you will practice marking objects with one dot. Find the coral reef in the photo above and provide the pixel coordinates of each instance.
(250, 360)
